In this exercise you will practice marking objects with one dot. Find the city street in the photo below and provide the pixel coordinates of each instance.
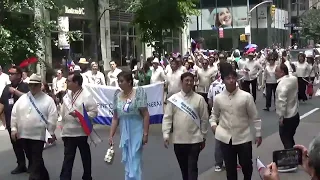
(160, 163)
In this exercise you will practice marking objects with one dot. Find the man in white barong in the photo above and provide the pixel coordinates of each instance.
(33, 116)
(186, 121)
(73, 135)
(112, 79)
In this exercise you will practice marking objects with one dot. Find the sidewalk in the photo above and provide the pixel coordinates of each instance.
(307, 130)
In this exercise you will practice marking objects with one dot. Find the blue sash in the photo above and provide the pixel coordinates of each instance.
(183, 106)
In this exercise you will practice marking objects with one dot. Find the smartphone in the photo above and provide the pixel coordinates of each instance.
(287, 157)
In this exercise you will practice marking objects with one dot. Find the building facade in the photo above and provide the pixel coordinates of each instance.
(221, 23)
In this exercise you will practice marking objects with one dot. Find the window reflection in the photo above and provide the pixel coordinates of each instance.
(114, 28)
(115, 49)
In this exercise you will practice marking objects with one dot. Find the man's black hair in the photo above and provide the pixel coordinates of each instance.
(18, 69)
(226, 69)
(77, 78)
(187, 74)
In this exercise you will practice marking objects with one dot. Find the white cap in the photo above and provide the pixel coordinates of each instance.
(77, 68)
(156, 60)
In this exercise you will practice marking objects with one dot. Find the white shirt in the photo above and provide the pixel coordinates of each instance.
(97, 78)
(157, 75)
(287, 63)
(216, 88)
(4, 80)
(184, 129)
(85, 77)
(71, 126)
(269, 75)
(287, 103)
(312, 70)
(26, 80)
(59, 85)
(174, 82)
(255, 69)
(235, 112)
(301, 69)
(112, 79)
(28, 123)
(205, 78)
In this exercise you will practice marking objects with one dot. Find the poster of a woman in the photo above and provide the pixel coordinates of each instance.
(220, 17)
(225, 17)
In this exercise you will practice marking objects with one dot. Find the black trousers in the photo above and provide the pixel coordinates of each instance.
(34, 149)
(270, 89)
(246, 87)
(19, 151)
(302, 87)
(205, 96)
(231, 154)
(288, 129)
(70, 148)
(187, 156)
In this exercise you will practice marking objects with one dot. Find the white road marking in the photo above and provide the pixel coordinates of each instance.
(309, 113)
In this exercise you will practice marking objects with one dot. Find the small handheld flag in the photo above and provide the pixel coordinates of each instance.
(261, 168)
(87, 125)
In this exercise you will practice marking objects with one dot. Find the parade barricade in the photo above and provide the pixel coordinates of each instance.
(104, 95)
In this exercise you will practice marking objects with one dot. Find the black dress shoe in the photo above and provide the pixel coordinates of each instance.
(266, 109)
(19, 170)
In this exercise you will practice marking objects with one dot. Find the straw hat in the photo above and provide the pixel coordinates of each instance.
(35, 79)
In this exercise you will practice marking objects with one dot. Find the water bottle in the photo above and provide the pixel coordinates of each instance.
(108, 158)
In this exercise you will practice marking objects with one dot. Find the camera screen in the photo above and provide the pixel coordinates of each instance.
(287, 158)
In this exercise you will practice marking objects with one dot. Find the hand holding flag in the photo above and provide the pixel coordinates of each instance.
(87, 125)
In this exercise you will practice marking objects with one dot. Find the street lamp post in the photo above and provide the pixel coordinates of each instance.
(249, 15)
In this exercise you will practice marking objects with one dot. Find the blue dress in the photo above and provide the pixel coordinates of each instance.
(131, 127)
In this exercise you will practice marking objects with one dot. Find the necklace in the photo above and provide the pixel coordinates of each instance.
(127, 95)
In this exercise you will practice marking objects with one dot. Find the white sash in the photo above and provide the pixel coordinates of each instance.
(183, 106)
(43, 119)
(67, 101)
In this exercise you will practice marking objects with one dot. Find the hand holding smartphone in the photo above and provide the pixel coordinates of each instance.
(287, 157)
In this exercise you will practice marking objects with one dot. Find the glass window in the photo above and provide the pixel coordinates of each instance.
(115, 49)
(176, 45)
(127, 28)
(114, 28)
(128, 49)
(80, 25)
(89, 47)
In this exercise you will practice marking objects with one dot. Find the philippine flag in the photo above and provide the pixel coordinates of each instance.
(87, 125)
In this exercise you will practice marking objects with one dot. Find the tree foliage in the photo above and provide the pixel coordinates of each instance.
(154, 18)
(20, 31)
(310, 23)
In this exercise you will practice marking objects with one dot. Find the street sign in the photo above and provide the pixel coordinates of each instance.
(289, 25)
(297, 28)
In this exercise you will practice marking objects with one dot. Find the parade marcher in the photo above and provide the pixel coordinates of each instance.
(269, 80)
(95, 76)
(85, 73)
(4, 80)
(313, 72)
(205, 76)
(131, 113)
(186, 121)
(144, 74)
(173, 78)
(235, 108)
(112, 75)
(25, 77)
(301, 73)
(252, 70)
(59, 86)
(157, 72)
(72, 134)
(32, 116)
(9, 97)
(287, 108)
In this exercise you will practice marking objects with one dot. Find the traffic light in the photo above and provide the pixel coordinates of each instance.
(272, 10)
(243, 38)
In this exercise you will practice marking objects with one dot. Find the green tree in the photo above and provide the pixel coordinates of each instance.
(19, 31)
(154, 18)
(310, 23)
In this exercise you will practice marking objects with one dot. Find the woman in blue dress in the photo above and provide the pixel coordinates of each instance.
(131, 114)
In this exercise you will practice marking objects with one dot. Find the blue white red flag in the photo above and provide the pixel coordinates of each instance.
(87, 125)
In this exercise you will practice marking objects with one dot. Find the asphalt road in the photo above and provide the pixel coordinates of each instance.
(159, 163)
